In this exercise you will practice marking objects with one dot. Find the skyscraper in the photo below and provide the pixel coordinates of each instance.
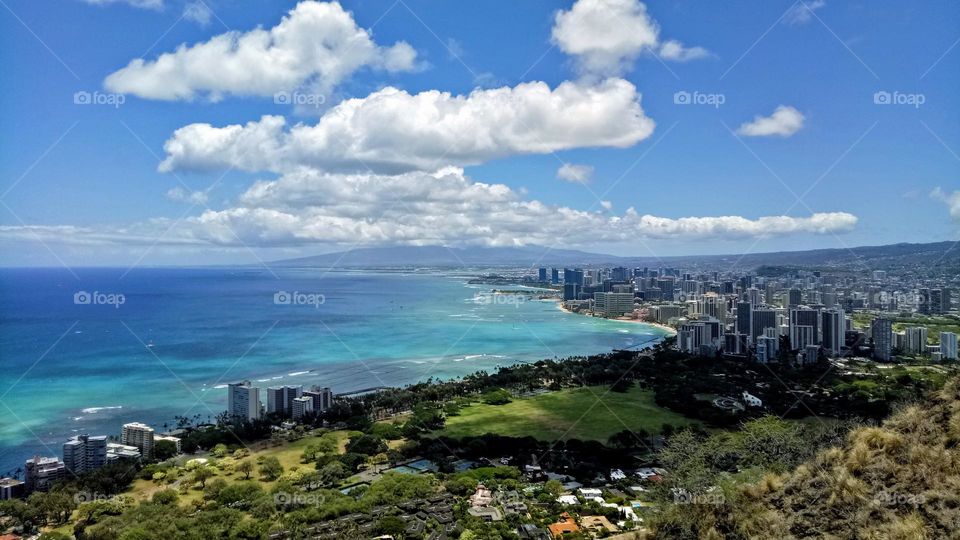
(915, 341)
(280, 398)
(542, 275)
(794, 297)
(882, 332)
(948, 345)
(322, 398)
(84, 453)
(761, 319)
(554, 276)
(833, 330)
(301, 406)
(243, 401)
(804, 327)
(744, 318)
(139, 435)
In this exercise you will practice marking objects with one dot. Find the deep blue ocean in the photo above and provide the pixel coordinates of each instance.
(86, 363)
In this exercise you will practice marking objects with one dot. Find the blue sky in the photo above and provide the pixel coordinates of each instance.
(82, 186)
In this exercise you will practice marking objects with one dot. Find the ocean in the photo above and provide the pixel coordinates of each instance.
(89, 350)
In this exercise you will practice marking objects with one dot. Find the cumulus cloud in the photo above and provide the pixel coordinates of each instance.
(179, 194)
(578, 174)
(952, 200)
(606, 36)
(393, 131)
(784, 122)
(316, 43)
(802, 12)
(197, 12)
(446, 207)
(142, 4)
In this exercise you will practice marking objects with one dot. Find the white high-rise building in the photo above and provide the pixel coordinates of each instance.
(139, 435)
(948, 346)
(612, 304)
(833, 331)
(40, 473)
(280, 399)
(84, 453)
(915, 340)
(301, 406)
(243, 401)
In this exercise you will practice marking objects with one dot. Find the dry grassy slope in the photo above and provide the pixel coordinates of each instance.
(897, 481)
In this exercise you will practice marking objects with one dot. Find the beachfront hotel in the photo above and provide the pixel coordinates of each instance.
(243, 401)
(140, 436)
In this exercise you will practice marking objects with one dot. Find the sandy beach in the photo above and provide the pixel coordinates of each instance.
(672, 331)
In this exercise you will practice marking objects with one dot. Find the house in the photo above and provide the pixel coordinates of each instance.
(486, 513)
(569, 500)
(482, 497)
(529, 531)
(566, 524)
(617, 475)
(591, 493)
(597, 524)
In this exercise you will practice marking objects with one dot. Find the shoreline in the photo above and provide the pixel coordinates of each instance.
(669, 330)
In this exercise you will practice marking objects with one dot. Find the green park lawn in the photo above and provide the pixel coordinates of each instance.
(565, 414)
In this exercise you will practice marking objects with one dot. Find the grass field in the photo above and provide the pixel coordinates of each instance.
(288, 453)
(566, 414)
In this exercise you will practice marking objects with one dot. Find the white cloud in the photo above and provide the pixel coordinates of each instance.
(802, 11)
(309, 207)
(142, 4)
(606, 36)
(180, 194)
(784, 122)
(607, 205)
(317, 44)
(198, 12)
(393, 131)
(579, 174)
(676, 51)
(952, 200)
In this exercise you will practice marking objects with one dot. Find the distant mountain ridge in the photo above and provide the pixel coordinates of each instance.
(937, 253)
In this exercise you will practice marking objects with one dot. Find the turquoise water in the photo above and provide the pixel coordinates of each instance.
(179, 335)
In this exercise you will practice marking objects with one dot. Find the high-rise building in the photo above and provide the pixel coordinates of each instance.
(40, 473)
(804, 327)
(612, 304)
(744, 324)
(915, 340)
(301, 406)
(243, 401)
(280, 398)
(794, 297)
(936, 302)
(554, 276)
(84, 453)
(140, 436)
(11, 488)
(833, 330)
(542, 275)
(761, 319)
(570, 291)
(767, 349)
(948, 346)
(881, 330)
(322, 398)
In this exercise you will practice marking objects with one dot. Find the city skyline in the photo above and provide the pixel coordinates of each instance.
(801, 126)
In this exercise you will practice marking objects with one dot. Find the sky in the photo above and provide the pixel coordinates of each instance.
(153, 132)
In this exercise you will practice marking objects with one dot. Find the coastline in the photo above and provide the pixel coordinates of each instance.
(669, 330)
